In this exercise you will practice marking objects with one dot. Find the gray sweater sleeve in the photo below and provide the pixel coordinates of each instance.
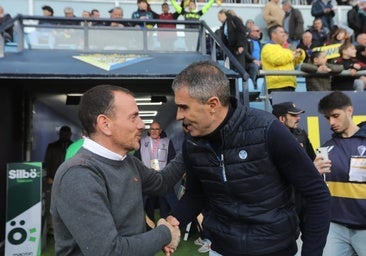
(167, 177)
(99, 211)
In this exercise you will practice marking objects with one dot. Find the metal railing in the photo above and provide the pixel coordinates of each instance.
(137, 36)
(265, 96)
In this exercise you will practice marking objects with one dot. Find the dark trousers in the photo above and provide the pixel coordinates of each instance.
(159, 202)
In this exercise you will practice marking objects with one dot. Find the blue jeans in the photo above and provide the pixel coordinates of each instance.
(343, 241)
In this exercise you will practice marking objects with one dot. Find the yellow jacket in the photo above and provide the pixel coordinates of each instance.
(275, 57)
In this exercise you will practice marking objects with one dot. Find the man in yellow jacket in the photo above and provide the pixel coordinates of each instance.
(275, 56)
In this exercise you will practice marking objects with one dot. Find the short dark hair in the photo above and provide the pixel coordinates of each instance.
(334, 100)
(315, 54)
(47, 8)
(93, 11)
(65, 128)
(272, 29)
(97, 100)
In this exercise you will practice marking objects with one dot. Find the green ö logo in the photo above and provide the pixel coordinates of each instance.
(18, 234)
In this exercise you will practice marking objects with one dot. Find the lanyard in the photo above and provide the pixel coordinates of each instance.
(154, 145)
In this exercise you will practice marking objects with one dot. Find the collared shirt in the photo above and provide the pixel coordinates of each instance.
(102, 151)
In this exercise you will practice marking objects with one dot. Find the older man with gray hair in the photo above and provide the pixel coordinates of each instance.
(293, 23)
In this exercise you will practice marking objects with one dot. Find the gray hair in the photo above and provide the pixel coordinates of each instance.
(204, 80)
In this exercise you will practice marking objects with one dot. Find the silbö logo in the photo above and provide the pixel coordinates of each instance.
(23, 174)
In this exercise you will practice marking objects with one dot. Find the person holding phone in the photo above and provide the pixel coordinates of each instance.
(347, 178)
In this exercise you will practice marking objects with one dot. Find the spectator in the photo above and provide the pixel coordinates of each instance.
(345, 180)
(239, 173)
(166, 38)
(5, 18)
(320, 34)
(306, 44)
(95, 14)
(47, 12)
(275, 57)
(116, 14)
(156, 151)
(361, 39)
(233, 35)
(318, 65)
(325, 10)
(348, 59)
(253, 56)
(191, 15)
(142, 13)
(361, 48)
(293, 23)
(97, 196)
(273, 14)
(86, 15)
(356, 17)
(69, 13)
(249, 23)
(361, 54)
(339, 36)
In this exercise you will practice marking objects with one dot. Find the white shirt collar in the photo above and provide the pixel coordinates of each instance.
(101, 151)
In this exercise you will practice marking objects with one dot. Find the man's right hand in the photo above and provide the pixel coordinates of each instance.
(175, 233)
(323, 165)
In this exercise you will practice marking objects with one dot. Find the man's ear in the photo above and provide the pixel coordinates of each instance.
(104, 124)
(213, 103)
(281, 118)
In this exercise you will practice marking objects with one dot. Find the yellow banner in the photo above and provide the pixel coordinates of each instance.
(330, 50)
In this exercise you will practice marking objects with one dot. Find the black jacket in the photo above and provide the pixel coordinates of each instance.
(236, 33)
(356, 21)
(242, 184)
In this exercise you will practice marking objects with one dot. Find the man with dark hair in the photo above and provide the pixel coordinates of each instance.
(54, 157)
(95, 14)
(325, 10)
(275, 57)
(47, 10)
(56, 151)
(166, 32)
(97, 196)
(293, 23)
(289, 115)
(242, 165)
(347, 177)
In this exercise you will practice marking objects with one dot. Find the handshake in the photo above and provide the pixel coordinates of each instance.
(173, 225)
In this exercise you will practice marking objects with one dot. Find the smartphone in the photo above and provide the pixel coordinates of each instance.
(323, 152)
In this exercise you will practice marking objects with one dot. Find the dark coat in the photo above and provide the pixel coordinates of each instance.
(296, 25)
